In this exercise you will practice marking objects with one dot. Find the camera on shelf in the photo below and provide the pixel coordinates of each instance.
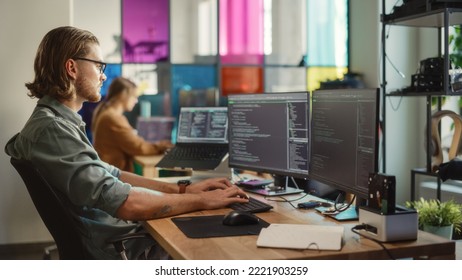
(427, 82)
(430, 76)
(432, 66)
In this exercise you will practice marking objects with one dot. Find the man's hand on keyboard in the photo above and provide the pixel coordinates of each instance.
(209, 184)
(220, 198)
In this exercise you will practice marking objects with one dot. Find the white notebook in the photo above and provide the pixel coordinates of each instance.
(290, 236)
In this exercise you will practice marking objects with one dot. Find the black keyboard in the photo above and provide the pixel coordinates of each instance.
(197, 152)
(253, 206)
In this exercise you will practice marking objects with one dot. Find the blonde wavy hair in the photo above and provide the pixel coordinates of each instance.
(57, 46)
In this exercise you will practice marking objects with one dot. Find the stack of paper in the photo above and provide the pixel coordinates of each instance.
(314, 237)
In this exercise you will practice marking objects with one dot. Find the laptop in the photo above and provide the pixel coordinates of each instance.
(202, 139)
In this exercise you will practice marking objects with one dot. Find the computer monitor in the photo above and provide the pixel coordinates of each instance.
(269, 133)
(344, 140)
(149, 105)
(153, 129)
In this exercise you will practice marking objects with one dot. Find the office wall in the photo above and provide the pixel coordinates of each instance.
(24, 22)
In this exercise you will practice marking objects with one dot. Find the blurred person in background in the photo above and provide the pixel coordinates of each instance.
(114, 138)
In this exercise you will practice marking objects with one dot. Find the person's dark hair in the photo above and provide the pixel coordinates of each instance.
(57, 46)
(118, 86)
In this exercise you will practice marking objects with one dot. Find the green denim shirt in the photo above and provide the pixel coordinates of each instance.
(54, 140)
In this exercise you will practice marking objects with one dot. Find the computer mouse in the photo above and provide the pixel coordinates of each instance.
(240, 218)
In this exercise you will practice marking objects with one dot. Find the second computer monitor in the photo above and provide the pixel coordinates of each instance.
(344, 138)
(269, 133)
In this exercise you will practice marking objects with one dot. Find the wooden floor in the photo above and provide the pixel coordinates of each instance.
(36, 251)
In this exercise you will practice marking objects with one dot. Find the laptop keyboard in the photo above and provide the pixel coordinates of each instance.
(203, 152)
(253, 206)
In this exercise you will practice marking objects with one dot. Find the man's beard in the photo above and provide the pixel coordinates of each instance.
(93, 98)
(88, 93)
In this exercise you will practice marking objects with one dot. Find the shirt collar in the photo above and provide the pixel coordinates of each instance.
(63, 110)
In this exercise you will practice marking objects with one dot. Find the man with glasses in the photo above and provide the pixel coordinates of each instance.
(69, 70)
(101, 65)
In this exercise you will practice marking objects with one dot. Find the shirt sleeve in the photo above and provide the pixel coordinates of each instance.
(74, 168)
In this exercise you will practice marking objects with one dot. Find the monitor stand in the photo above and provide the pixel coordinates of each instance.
(273, 190)
(222, 170)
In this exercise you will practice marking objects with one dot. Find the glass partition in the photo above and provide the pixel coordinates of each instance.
(143, 75)
(241, 31)
(194, 31)
(316, 75)
(145, 31)
(191, 77)
(285, 79)
(285, 32)
(327, 40)
(241, 80)
(234, 46)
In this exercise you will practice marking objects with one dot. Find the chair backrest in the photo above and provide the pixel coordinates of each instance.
(58, 218)
(454, 149)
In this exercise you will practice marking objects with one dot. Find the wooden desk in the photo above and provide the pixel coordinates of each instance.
(244, 247)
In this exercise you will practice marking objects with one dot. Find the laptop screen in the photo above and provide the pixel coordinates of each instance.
(203, 125)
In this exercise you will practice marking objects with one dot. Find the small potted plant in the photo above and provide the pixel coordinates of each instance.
(441, 218)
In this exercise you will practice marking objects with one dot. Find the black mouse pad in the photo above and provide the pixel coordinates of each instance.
(212, 226)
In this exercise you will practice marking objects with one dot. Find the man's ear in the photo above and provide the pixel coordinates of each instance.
(71, 68)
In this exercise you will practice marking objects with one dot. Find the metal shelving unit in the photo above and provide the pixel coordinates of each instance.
(434, 16)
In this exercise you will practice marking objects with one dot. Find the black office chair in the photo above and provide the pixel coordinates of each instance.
(62, 223)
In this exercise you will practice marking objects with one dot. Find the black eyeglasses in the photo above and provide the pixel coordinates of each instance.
(102, 65)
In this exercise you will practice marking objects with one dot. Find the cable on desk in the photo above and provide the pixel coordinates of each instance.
(344, 207)
(364, 226)
(283, 199)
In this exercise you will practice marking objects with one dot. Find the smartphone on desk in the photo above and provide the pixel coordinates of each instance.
(313, 204)
(254, 183)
